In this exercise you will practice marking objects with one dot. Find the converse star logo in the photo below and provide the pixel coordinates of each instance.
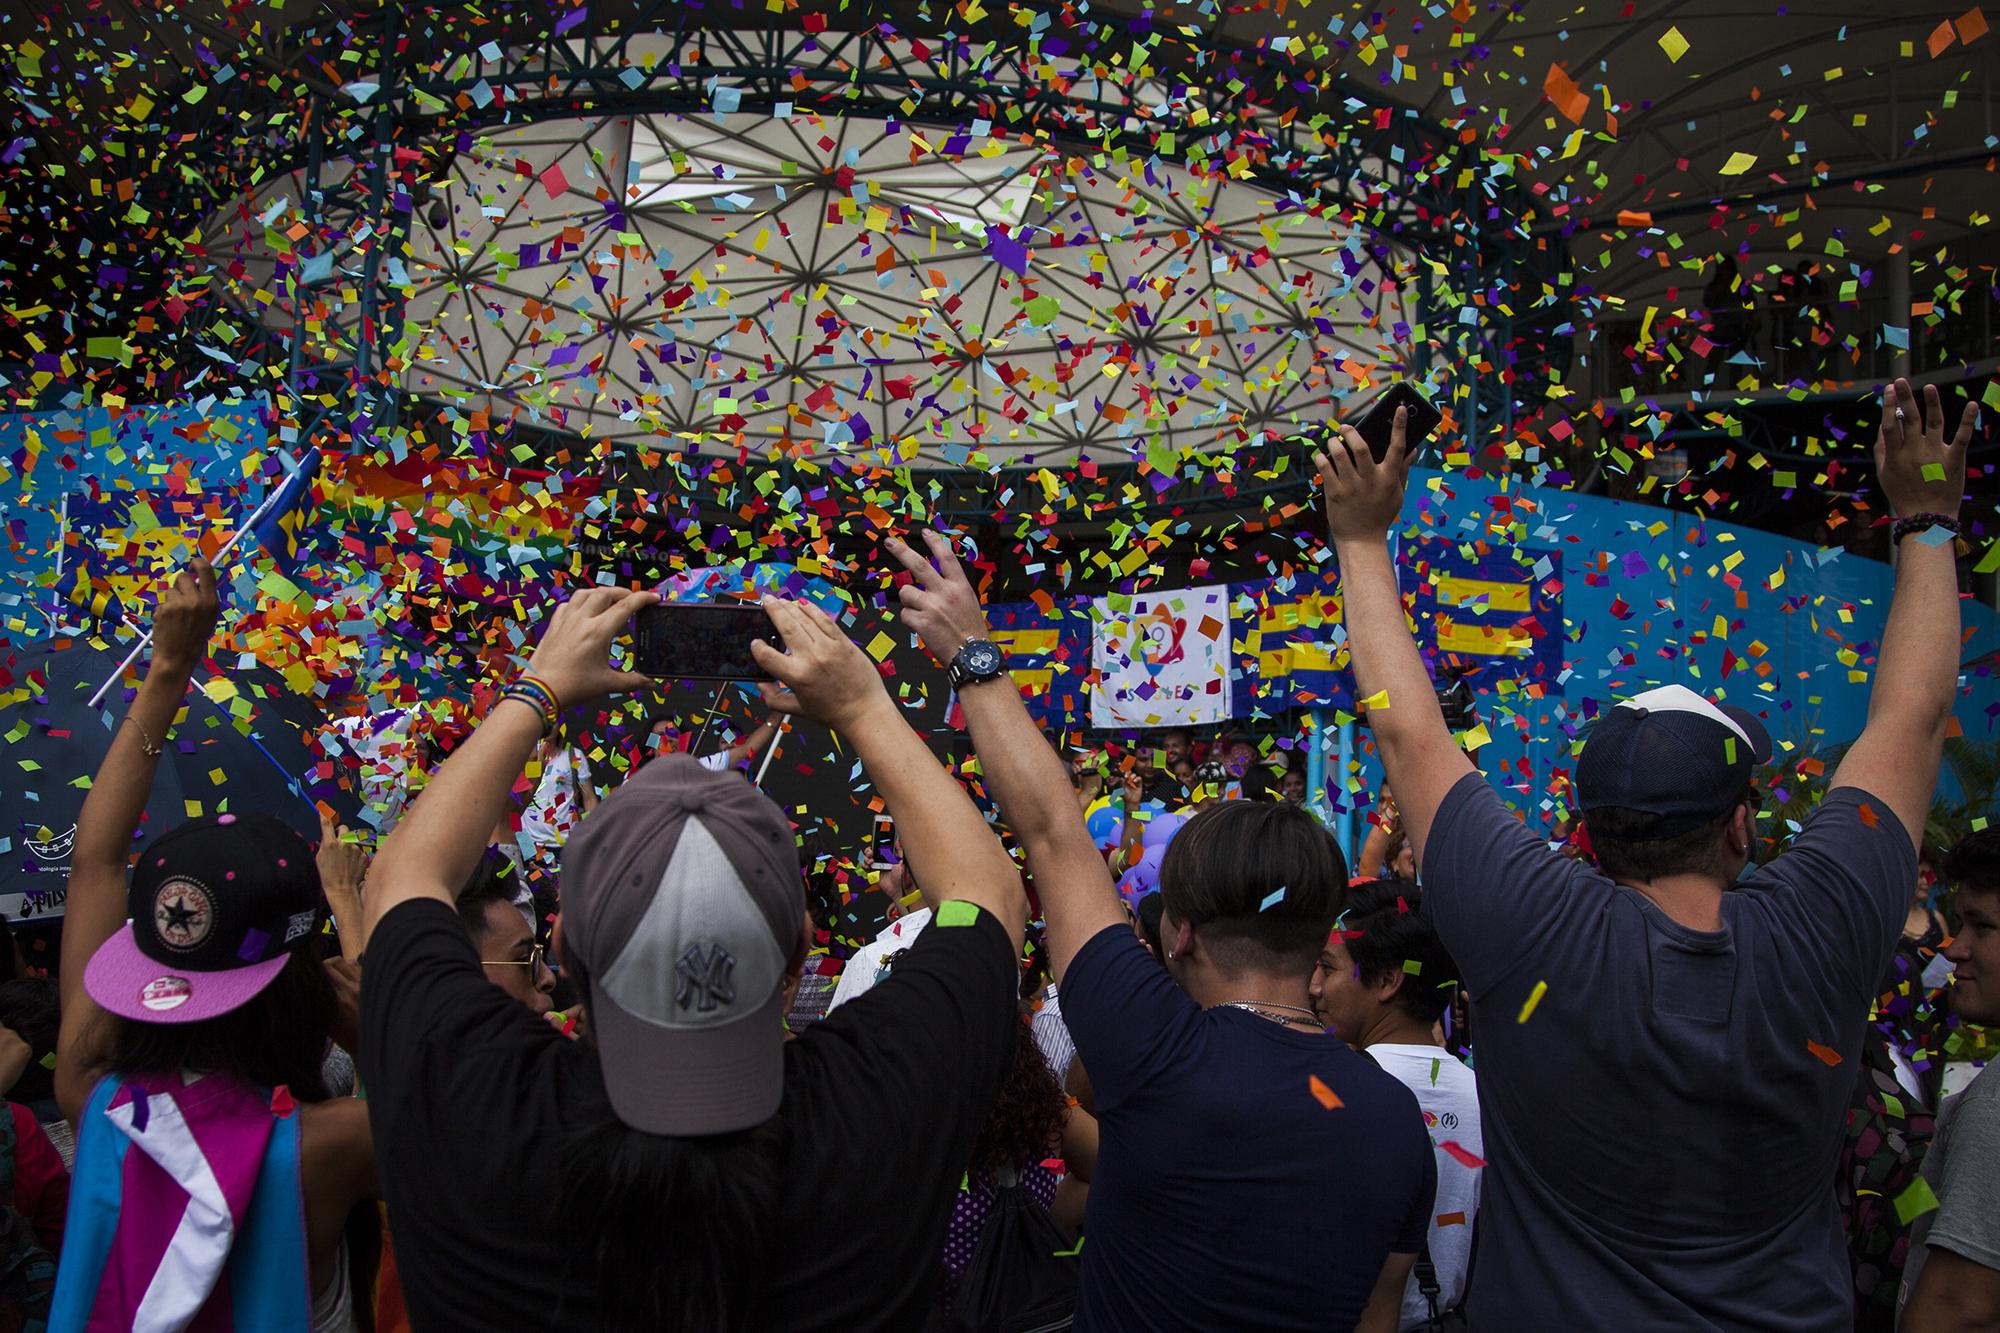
(183, 914)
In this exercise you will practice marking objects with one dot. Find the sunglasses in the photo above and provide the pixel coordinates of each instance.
(532, 961)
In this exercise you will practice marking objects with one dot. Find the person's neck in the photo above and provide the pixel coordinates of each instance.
(1397, 1026)
(1695, 901)
(1284, 993)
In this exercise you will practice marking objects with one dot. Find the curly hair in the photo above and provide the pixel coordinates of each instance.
(1026, 1122)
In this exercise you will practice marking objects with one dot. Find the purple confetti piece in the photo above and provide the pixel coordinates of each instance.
(254, 943)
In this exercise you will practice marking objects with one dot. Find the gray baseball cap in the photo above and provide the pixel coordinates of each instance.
(681, 909)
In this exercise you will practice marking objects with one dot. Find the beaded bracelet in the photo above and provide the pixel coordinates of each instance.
(1922, 523)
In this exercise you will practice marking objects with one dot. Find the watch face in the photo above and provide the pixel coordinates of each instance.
(981, 659)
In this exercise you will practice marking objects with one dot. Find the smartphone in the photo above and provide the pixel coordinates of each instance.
(882, 848)
(701, 641)
(1380, 421)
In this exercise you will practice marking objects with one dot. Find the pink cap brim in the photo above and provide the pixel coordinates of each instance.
(126, 982)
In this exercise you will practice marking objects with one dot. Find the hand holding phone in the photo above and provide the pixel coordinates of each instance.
(701, 641)
(1378, 424)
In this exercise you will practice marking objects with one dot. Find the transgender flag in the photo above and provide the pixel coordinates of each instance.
(185, 1212)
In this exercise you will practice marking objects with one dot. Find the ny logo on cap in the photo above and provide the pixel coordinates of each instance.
(704, 980)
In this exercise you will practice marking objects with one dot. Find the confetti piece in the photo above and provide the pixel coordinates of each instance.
(1916, 1199)
(1272, 899)
(1534, 998)
(282, 1102)
(1462, 1156)
(1738, 163)
(1324, 1095)
(1673, 44)
(1825, 1054)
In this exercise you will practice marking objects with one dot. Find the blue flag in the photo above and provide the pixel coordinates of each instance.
(279, 527)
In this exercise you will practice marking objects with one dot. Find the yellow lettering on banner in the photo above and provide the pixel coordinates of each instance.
(1482, 594)
(1482, 640)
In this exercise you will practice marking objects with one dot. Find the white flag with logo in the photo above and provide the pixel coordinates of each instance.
(1162, 658)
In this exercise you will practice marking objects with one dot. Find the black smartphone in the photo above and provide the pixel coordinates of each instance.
(1380, 421)
(701, 641)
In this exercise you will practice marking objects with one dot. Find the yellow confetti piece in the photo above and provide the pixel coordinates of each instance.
(1673, 44)
(1534, 998)
(1379, 699)
(1737, 164)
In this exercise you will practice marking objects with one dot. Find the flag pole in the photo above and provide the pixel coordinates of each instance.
(145, 639)
(770, 753)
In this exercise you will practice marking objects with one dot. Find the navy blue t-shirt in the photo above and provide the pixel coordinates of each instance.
(1227, 1193)
(1661, 1127)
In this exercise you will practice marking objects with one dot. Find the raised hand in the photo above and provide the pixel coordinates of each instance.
(184, 618)
(821, 674)
(574, 656)
(938, 602)
(1363, 497)
(1921, 473)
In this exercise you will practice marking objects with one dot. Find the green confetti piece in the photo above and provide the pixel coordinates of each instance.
(955, 913)
(1933, 472)
(1915, 1201)
(1413, 966)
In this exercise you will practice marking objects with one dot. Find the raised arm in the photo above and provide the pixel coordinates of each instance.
(753, 745)
(183, 620)
(824, 676)
(1025, 776)
(1916, 674)
(1363, 498)
(446, 830)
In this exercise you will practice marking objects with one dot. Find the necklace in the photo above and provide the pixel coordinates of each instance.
(1263, 1010)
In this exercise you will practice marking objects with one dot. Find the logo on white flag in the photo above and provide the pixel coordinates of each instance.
(1162, 659)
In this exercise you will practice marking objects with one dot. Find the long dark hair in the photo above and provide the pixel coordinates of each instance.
(1026, 1121)
(680, 1233)
(278, 1039)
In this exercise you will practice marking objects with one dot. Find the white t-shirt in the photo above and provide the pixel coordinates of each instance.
(1449, 1097)
(865, 968)
(552, 812)
(719, 762)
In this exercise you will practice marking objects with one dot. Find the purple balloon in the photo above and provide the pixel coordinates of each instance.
(1161, 831)
(1144, 877)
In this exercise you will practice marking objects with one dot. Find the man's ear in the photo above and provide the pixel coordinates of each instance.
(1391, 986)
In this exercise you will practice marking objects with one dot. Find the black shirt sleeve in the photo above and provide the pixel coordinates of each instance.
(886, 1095)
(422, 989)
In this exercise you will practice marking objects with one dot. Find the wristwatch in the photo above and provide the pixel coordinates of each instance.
(977, 661)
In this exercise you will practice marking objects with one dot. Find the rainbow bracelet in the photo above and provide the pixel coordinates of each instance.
(536, 693)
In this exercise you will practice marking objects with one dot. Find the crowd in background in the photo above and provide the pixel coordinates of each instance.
(1124, 1042)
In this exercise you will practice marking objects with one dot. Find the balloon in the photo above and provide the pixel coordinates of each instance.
(1144, 877)
(1161, 831)
(1105, 821)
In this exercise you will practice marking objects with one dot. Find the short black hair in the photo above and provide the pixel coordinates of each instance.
(1619, 843)
(1974, 863)
(1150, 908)
(1386, 931)
(493, 880)
(1261, 882)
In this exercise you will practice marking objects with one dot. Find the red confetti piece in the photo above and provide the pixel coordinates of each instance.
(282, 1102)
(1462, 1156)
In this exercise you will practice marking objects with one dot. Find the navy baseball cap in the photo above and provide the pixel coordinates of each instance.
(1671, 754)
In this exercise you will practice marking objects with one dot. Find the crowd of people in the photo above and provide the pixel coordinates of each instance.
(1630, 1079)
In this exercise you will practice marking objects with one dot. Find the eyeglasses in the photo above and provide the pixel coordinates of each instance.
(531, 962)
